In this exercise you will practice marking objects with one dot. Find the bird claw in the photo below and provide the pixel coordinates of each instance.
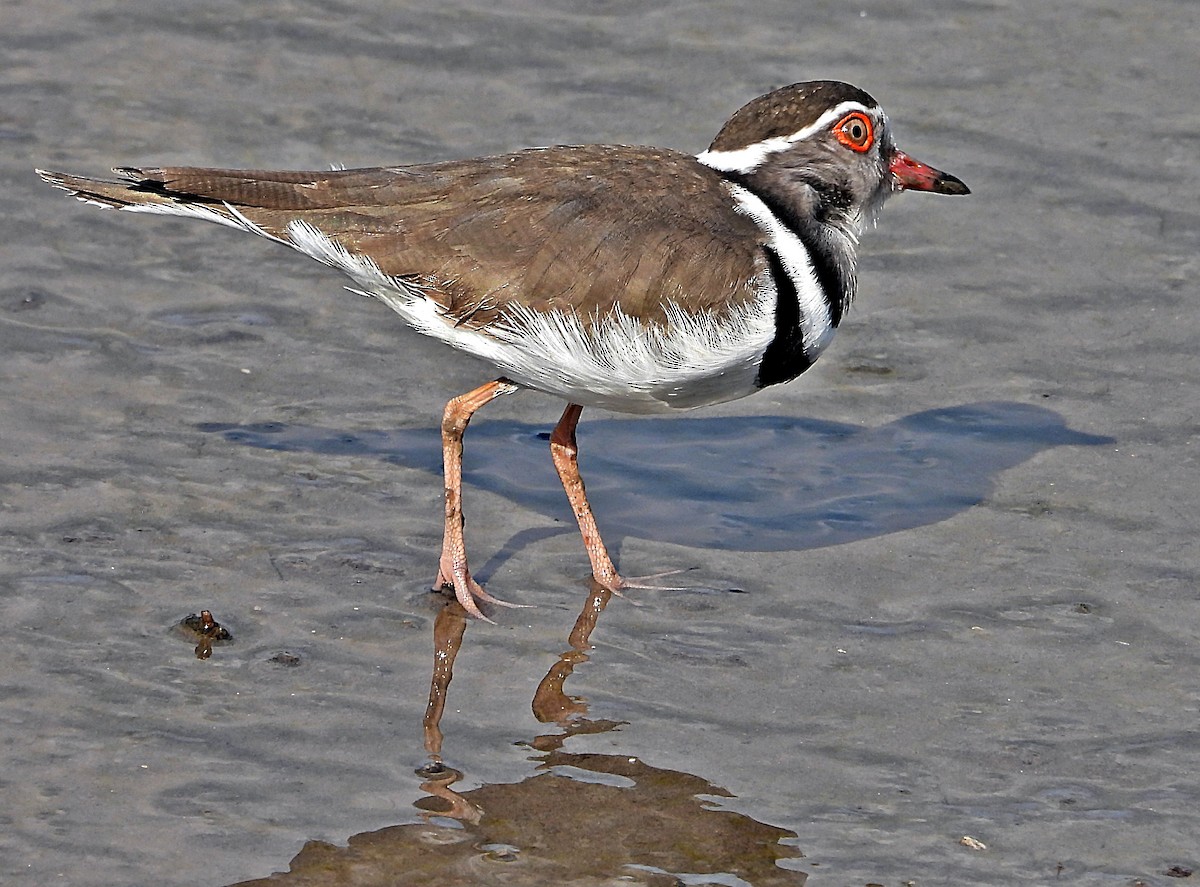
(467, 591)
(618, 585)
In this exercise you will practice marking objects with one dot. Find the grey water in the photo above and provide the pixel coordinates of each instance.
(943, 585)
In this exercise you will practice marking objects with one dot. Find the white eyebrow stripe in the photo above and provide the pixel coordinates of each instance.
(746, 160)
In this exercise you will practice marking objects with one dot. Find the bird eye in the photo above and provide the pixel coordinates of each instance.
(856, 132)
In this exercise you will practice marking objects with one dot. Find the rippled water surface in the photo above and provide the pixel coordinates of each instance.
(942, 586)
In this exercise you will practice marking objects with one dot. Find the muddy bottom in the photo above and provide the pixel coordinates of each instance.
(933, 618)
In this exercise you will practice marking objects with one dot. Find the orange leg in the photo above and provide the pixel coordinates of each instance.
(565, 453)
(452, 567)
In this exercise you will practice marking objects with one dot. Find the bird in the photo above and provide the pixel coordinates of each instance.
(630, 278)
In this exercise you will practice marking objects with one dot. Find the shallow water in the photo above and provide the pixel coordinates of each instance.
(783, 484)
(943, 585)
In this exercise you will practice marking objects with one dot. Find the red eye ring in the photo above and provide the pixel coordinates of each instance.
(856, 132)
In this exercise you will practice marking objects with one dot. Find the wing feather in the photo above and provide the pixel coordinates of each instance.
(581, 229)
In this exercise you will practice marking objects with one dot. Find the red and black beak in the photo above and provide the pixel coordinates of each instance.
(913, 175)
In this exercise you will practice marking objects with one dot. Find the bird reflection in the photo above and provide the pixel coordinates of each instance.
(551, 703)
(448, 630)
(633, 795)
(579, 819)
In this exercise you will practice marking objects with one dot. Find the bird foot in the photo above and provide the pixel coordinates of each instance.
(617, 585)
(468, 592)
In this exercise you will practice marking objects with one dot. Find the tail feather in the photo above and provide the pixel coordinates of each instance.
(269, 204)
(145, 191)
(284, 191)
(105, 192)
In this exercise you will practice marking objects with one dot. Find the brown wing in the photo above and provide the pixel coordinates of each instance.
(575, 228)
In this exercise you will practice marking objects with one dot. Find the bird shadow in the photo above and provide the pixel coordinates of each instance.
(743, 483)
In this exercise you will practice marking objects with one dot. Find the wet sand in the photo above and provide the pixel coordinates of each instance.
(943, 585)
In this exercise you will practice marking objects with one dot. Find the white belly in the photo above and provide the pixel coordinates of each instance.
(615, 362)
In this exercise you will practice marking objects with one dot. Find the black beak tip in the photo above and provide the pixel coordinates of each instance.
(949, 184)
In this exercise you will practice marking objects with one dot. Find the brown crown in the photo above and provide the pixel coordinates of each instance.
(785, 111)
